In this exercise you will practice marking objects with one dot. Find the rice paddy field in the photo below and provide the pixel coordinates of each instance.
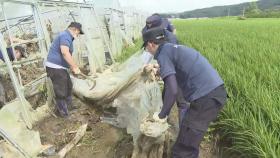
(246, 53)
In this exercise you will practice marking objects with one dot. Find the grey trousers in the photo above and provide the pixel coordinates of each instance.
(196, 121)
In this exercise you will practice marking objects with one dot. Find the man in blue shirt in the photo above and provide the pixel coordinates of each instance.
(156, 21)
(59, 60)
(19, 53)
(166, 24)
(200, 83)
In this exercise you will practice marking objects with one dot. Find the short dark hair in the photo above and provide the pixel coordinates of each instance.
(156, 14)
(77, 26)
(21, 50)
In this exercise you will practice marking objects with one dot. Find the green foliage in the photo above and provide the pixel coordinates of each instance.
(256, 10)
(246, 54)
(253, 10)
(270, 13)
(129, 51)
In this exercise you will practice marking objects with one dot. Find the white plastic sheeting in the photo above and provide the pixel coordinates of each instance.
(107, 30)
(111, 82)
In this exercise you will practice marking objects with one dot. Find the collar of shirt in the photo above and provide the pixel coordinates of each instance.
(159, 50)
(68, 32)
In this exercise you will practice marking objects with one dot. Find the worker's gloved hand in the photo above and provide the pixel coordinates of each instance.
(76, 71)
(148, 68)
(157, 119)
(155, 127)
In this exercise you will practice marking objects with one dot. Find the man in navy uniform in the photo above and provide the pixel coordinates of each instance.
(58, 62)
(200, 83)
(166, 24)
(156, 21)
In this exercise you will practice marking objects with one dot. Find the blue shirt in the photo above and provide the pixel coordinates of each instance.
(165, 23)
(10, 54)
(194, 74)
(55, 55)
(171, 38)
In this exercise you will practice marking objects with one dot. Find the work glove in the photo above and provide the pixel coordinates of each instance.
(157, 119)
(76, 71)
(154, 127)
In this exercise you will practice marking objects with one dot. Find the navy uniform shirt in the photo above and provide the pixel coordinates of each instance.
(167, 25)
(194, 74)
(10, 54)
(171, 38)
(55, 55)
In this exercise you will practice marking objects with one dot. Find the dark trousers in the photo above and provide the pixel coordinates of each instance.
(182, 105)
(196, 121)
(62, 86)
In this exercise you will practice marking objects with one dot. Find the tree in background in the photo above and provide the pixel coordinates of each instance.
(253, 10)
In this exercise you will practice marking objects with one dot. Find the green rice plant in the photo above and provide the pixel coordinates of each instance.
(129, 51)
(246, 54)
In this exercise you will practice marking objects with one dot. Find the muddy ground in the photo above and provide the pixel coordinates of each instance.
(101, 140)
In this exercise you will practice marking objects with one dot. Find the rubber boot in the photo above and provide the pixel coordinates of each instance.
(69, 103)
(62, 107)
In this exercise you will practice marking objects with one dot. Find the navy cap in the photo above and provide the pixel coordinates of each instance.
(77, 26)
(153, 21)
(155, 34)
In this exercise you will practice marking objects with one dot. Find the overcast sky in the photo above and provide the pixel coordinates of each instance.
(163, 6)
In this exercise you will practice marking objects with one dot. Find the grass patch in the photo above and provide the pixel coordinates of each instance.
(129, 51)
(246, 54)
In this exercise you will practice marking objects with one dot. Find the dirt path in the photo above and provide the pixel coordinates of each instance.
(101, 140)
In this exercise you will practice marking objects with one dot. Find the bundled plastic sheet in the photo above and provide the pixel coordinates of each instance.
(20, 141)
(110, 83)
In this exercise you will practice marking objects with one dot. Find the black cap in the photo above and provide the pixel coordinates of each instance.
(77, 26)
(153, 21)
(155, 34)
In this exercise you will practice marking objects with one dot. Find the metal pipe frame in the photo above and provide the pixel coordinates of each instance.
(102, 33)
(62, 3)
(10, 36)
(18, 88)
(18, 2)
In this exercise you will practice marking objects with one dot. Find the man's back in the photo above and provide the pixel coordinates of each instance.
(55, 55)
(166, 24)
(195, 75)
